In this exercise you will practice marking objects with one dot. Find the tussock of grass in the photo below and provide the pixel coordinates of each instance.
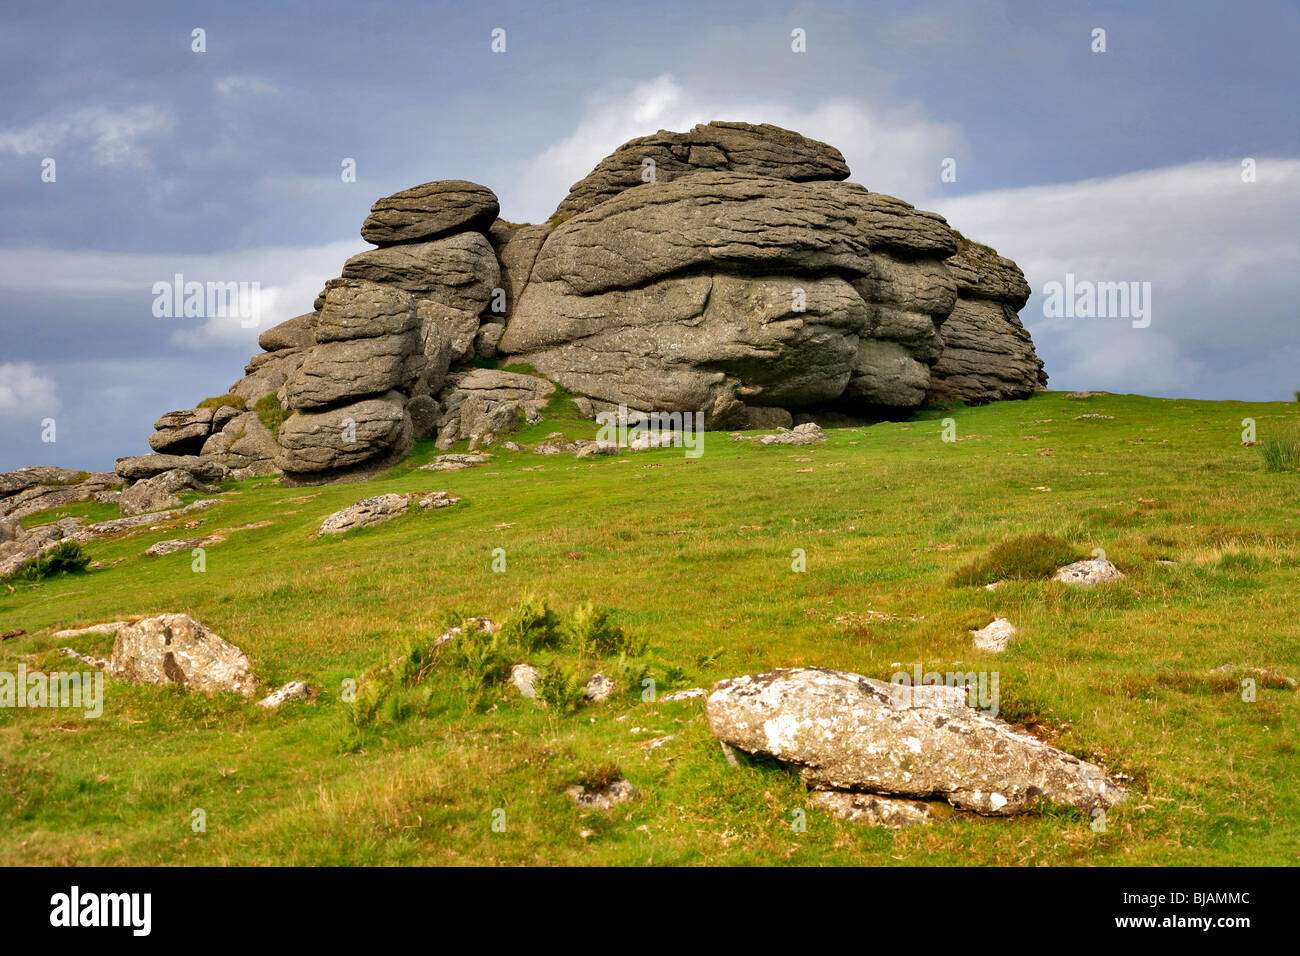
(271, 413)
(1281, 452)
(223, 401)
(66, 557)
(1028, 557)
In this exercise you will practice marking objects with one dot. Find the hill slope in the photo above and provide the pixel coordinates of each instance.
(696, 556)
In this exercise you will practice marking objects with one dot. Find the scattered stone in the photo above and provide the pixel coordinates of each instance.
(598, 688)
(98, 663)
(365, 513)
(294, 690)
(524, 676)
(1088, 573)
(995, 637)
(593, 448)
(693, 693)
(482, 624)
(843, 731)
(604, 798)
(455, 462)
(176, 649)
(111, 627)
(809, 433)
(437, 499)
(182, 544)
(874, 810)
(1079, 418)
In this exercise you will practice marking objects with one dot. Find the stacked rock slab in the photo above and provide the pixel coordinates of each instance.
(988, 355)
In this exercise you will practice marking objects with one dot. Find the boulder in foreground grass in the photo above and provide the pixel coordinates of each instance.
(1088, 573)
(843, 731)
(176, 649)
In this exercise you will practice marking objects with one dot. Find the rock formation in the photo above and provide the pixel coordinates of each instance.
(729, 270)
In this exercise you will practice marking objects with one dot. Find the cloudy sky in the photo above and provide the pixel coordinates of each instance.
(225, 165)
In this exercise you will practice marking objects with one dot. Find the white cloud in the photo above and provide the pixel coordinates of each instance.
(1221, 256)
(890, 149)
(289, 278)
(235, 85)
(25, 393)
(112, 137)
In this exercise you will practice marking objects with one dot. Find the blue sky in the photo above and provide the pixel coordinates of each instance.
(225, 165)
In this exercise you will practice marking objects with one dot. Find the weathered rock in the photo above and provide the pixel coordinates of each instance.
(988, 355)
(691, 693)
(359, 309)
(176, 649)
(182, 432)
(516, 249)
(244, 446)
(460, 271)
(294, 690)
(172, 545)
(337, 438)
(809, 433)
(489, 402)
(159, 493)
(598, 688)
(12, 482)
(602, 798)
(365, 513)
(995, 636)
(702, 219)
(454, 462)
(436, 499)
(11, 529)
(842, 731)
(429, 211)
(335, 372)
(524, 679)
(55, 493)
(266, 374)
(874, 810)
(108, 627)
(739, 147)
(147, 466)
(1088, 573)
(424, 412)
(296, 333)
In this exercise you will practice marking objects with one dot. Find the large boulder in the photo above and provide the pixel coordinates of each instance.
(327, 441)
(843, 731)
(429, 211)
(159, 493)
(988, 355)
(762, 150)
(136, 467)
(176, 649)
(296, 333)
(182, 432)
(33, 490)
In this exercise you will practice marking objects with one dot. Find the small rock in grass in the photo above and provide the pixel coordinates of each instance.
(872, 809)
(599, 687)
(604, 798)
(1088, 573)
(995, 636)
(524, 676)
(294, 690)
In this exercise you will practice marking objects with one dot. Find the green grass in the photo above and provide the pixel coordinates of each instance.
(222, 401)
(271, 413)
(1281, 452)
(694, 559)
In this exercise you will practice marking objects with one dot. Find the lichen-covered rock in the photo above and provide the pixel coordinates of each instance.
(1088, 573)
(365, 513)
(430, 210)
(40, 488)
(874, 810)
(159, 493)
(296, 333)
(843, 731)
(137, 467)
(176, 649)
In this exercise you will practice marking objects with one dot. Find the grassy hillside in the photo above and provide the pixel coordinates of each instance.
(695, 557)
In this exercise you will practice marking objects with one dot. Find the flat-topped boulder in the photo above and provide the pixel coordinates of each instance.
(429, 211)
(762, 150)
